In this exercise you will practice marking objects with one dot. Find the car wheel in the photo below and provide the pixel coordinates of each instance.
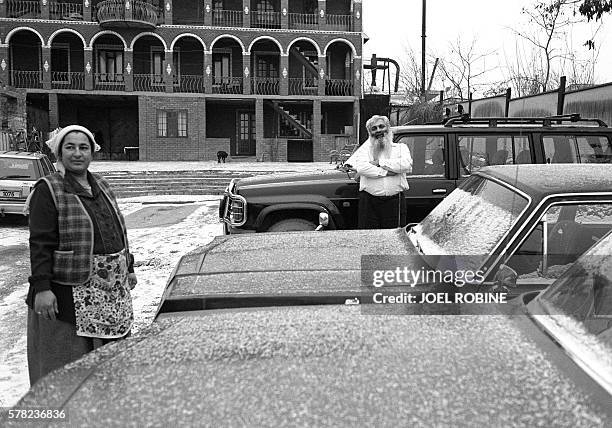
(292, 225)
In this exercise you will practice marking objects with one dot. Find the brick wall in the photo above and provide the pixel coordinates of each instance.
(13, 109)
(213, 145)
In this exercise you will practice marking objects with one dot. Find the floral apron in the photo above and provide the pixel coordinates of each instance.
(103, 305)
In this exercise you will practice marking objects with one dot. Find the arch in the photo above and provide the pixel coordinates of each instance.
(148, 33)
(343, 41)
(67, 30)
(15, 30)
(101, 33)
(231, 36)
(195, 36)
(280, 47)
(308, 39)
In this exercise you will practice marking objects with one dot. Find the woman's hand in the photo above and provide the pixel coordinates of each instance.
(45, 304)
(132, 280)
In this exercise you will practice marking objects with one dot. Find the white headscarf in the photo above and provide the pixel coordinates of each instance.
(56, 138)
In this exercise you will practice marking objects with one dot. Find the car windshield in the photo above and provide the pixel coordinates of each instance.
(17, 168)
(471, 220)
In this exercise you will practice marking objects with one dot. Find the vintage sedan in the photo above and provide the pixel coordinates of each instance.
(276, 329)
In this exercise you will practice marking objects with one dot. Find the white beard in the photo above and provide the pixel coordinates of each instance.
(378, 151)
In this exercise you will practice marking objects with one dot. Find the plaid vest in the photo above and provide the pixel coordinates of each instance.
(74, 256)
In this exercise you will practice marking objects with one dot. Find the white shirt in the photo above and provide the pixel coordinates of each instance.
(374, 179)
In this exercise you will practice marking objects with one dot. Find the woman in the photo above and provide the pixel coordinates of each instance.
(82, 270)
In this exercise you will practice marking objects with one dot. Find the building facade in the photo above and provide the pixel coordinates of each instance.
(268, 80)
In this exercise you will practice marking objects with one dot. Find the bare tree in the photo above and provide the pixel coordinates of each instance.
(464, 67)
(410, 72)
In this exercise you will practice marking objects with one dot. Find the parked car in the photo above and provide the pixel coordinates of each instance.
(443, 156)
(19, 171)
(272, 329)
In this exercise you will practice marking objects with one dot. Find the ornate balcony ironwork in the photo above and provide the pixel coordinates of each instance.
(66, 11)
(265, 85)
(303, 21)
(339, 87)
(227, 85)
(131, 13)
(339, 22)
(266, 19)
(149, 82)
(25, 9)
(26, 78)
(67, 80)
(227, 18)
(190, 83)
(109, 82)
(303, 86)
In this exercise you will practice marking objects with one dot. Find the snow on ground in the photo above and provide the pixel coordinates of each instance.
(156, 250)
(114, 166)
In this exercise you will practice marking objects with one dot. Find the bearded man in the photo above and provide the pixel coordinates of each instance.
(382, 166)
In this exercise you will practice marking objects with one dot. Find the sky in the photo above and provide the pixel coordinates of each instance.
(394, 25)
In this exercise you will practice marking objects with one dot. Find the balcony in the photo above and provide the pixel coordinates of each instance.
(192, 83)
(266, 19)
(303, 21)
(338, 87)
(109, 82)
(265, 85)
(66, 11)
(116, 14)
(303, 86)
(227, 85)
(26, 79)
(339, 22)
(67, 80)
(23, 9)
(149, 83)
(227, 18)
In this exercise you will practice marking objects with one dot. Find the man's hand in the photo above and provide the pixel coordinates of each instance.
(375, 163)
(45, 304)
(132, 280)
(390, 172)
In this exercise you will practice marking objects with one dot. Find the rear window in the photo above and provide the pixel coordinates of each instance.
(575, 149)
(477, 151)
(13, 168)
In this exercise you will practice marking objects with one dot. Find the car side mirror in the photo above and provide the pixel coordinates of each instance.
(505, 278)
(323, 221)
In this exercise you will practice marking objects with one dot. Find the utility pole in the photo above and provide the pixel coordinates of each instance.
(423, 51)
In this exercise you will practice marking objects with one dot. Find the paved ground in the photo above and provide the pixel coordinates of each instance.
(136, 166)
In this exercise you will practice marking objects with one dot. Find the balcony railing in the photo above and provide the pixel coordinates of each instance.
(26, 79)
(339, 87)
(227, 85)
(266, 19)
(23, 9)
(303, 21)
(113, 12)
(303, 86)
(66, 11)
(189, 83)
(265, 85)
(340, 22)
(109, 82)
(227, 18)
(149, 82)
(67, 80)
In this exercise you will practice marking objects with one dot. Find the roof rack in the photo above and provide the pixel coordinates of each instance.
(465, 119)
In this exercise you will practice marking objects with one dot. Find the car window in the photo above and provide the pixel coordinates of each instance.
(427, 153)
(571, 229)
(477, 151)
(577, 149)
(45, 166)
(17, 169)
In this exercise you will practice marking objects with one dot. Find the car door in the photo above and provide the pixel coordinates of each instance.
(429, 180)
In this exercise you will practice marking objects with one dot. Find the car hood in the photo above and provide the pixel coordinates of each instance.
(321, 365)
(280, 263)
(262, 180)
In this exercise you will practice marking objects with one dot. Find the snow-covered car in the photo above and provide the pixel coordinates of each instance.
(18, 174)
(278, 328)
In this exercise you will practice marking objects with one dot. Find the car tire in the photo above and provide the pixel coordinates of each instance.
(292, 225)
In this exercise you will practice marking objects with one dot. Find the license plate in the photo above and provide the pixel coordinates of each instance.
(7, 194)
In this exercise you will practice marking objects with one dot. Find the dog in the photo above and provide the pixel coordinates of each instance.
(221, 156)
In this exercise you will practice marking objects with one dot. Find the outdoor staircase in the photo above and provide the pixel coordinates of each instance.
(311, 64)
(205, 182)
(297, 122)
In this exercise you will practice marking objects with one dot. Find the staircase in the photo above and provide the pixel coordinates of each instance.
(301, 123)
(127, 184)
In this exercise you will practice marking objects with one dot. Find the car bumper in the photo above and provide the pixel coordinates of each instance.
(230, 230)
(11, 208)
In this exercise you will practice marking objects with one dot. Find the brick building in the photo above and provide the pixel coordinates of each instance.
(269, 80)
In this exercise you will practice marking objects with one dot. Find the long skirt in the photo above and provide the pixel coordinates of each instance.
(53, 344)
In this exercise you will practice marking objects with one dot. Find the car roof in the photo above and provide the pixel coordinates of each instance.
(21, 154)
(500, 128)
(549, 179)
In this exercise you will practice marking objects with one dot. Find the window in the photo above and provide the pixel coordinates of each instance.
(109, 64)
(172, 123)
(482, 150)
(222, 66)
(267, 66)
(427, 153)
(60, 62)
(157, 65)
(573, 149)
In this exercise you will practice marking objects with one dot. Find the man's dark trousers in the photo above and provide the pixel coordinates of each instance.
(381, 212)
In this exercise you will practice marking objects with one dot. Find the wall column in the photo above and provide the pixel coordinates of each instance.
(356, 123)
(284, 9)
(53, 111)
(3, 9)
(246, 9)
(87, 15)
(89, 70)
(246, 73)
(46, 67)
(317, 156)
(4, 65)
(284, 75)
(128, 75)
(322, 15)
(44, 9)
(356, 78)
(357, 18)
(208, 72)
(129, 12)
(208, 13)
(322, 74)
(168, 67)
(259, 128)
(168, 11)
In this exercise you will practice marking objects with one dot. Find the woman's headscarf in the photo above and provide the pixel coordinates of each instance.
(57, 137)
